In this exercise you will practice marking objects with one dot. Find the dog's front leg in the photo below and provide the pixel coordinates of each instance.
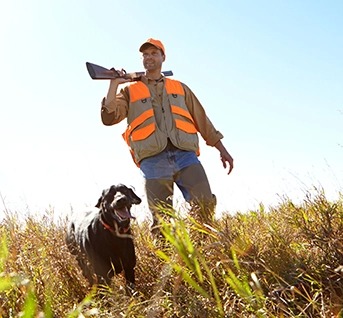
(129, 262)
(102, 269)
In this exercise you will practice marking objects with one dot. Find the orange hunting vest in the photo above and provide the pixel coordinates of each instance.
(142, 134)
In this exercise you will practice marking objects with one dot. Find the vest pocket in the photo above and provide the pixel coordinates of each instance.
(188, 141)
(143, 133)
(185, 126)
(147, 147)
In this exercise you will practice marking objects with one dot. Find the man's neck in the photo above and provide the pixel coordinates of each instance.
(154, 75)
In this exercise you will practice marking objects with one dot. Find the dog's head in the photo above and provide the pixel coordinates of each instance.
(115, 205)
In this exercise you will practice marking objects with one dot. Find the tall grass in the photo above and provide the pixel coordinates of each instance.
(287, 262)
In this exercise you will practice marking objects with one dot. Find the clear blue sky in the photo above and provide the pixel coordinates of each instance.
(269, 74)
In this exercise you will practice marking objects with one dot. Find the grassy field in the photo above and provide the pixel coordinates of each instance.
(287, 262)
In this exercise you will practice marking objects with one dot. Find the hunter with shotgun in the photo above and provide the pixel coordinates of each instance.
(164, 118)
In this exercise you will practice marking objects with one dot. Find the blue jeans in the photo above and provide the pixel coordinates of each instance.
(174, 166)
(167, 165)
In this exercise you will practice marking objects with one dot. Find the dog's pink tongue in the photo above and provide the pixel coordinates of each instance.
(123, 213)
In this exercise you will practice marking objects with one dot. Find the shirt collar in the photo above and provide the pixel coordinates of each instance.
(147, 81)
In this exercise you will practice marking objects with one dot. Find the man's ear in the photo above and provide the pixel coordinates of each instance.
(164, 57)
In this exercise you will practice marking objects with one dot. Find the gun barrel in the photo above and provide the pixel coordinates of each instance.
(99, 72)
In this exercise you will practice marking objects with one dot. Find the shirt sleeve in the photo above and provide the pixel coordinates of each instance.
(114, 111)
(203, 124)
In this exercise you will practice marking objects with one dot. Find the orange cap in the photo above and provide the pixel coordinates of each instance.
(156, 43)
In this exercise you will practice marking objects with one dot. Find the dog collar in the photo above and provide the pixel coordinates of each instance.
(112, 230)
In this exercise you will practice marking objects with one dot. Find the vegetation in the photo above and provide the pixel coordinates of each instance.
(285, 262)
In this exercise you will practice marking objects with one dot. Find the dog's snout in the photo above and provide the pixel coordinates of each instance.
(122, 200)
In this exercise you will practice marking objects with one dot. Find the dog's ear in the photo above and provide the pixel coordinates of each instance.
(113, 188)
(134, 198)
(100, 199)
(99, 203)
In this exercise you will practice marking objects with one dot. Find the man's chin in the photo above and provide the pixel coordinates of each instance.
(150, 68)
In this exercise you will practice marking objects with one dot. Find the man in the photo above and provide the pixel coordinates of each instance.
(164, 118)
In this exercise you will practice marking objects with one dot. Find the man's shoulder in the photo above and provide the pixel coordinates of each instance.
(177, 80)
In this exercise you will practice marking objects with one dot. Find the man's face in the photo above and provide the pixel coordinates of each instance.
(152, 58)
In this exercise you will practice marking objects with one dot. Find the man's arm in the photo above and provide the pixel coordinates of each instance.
(207, 130)
(203, 124)
(114, 107)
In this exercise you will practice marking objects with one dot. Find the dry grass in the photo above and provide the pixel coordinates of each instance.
(287, 262)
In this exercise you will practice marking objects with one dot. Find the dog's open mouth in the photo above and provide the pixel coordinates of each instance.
(123, 213)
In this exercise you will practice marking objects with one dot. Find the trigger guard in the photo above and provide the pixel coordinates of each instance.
(115, 72)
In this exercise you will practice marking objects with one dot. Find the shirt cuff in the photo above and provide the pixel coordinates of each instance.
(218, 136)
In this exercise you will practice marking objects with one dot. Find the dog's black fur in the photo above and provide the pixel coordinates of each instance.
(101, 239)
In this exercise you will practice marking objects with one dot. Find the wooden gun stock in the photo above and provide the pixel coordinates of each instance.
(102, 73)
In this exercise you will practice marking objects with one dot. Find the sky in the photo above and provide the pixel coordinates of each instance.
(269, 74)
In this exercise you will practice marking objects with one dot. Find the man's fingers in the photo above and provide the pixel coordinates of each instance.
(231, 167)
(224, 162)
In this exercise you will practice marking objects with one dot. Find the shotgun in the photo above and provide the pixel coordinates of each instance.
(99, 72)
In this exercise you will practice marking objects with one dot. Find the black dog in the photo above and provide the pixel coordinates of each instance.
(102, 240)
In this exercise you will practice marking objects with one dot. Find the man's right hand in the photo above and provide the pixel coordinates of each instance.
(121, 79)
